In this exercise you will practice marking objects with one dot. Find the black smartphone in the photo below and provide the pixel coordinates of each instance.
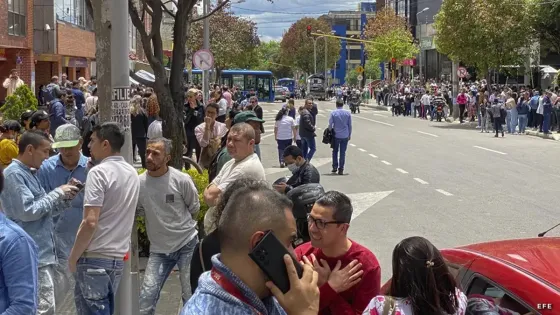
(80, 186)
(268, 254)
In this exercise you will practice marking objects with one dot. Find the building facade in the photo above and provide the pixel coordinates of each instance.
(16, 41)
(349, 24)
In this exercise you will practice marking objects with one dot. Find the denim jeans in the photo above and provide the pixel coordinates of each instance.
(339, 145)
(522, 123)
(514, 119)
(546, 122)
(158, 269)
(508, 121)
(53, 286)
(309, 147)
(282, 145)
(97, 281)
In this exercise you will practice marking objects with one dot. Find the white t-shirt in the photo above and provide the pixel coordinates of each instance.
(114, 186)
(285, 127)
(223, 107)
(298, 137)
(250, 167)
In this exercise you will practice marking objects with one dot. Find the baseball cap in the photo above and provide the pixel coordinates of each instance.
(66, 136)
(246, 116)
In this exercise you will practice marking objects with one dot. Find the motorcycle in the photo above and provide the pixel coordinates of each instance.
(354, 103)
(439, 112)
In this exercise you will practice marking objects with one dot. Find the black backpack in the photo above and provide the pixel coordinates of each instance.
(48, 94)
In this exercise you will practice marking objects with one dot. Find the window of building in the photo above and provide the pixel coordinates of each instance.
(72, 11)
(131, 35)
(16, 17)
(355, 54)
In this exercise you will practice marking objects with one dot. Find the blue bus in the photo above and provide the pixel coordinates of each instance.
(290, 84)
(260, 83)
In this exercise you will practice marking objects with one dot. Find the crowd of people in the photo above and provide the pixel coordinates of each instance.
(69, 200)
(491, 106)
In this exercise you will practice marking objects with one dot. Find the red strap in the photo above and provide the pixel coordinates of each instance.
(231, 288)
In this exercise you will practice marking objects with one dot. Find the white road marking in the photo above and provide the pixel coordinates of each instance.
(385, 162)
(352, 145)
(375, 121)
(321, 115)
(402, 171)
(428, 134)
(319, 128)
(264, 137)
(490, 150)
(423, 182)
(362, 150)
(373, 156)
(441, 191)
(379, 115)
(330, 110)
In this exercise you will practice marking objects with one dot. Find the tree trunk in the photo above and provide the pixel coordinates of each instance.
(102, 27)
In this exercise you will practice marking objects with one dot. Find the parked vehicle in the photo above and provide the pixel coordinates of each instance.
(316, 87)
(281, 93)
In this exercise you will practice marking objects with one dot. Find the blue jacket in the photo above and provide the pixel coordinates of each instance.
(57, 115)
(25, 202)
(18, 270)
(211, 299)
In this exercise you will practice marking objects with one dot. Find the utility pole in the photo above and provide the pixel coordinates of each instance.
(315, 55)
(206, 45)
(326, 70)
(128, 292)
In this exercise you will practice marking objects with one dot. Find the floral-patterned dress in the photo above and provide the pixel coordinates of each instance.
(403, 306)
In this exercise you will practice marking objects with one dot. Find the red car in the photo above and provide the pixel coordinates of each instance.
(524, 274)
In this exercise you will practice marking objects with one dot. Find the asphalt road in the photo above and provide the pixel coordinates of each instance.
(450, 185)
(409, 177)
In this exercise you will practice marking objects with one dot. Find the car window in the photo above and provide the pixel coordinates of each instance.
(502, 298)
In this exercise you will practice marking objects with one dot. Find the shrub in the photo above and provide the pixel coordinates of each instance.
(17, 103)
(200, 181)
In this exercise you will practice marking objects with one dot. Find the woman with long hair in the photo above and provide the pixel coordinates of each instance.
(421, 283)
(138, 128)
(284, 132)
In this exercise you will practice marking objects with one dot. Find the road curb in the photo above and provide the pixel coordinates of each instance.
(551, 136)
(379, 107)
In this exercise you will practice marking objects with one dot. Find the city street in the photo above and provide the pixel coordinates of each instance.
(453, 186)
(408, 177)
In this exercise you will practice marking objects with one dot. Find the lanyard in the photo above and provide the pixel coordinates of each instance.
(231, 288)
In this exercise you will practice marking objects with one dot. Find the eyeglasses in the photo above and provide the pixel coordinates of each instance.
(321, 224)
(253, 102)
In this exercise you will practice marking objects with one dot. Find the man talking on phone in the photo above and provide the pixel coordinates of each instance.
(236, 285)
(67, 167)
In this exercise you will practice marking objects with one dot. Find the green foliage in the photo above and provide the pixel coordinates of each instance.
(391, 36)
(233, 40)
(351, 78)
(297, 49)
(201, 182)
(485, 34)
(268, 58)
(17, 103)
(546, 23)
(372, 70)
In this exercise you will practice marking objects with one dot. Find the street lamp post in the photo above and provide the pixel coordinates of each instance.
(420, 38)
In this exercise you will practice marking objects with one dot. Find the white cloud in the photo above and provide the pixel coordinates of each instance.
(273, 19)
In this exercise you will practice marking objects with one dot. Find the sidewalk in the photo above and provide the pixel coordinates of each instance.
(473, 125)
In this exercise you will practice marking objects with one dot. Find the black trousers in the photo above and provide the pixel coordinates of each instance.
(461, 111)
(141, 144)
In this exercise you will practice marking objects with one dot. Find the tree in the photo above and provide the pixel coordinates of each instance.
(297, 49)
(372, 70)
(16, 104)
(546, 22)
(268, 56)
(233, 40)
(351, 78)
(485, 34)
(391, 36)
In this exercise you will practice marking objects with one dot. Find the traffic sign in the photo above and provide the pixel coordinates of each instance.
(360, 69)
(203, 59)
(360, 78)
(462, 72)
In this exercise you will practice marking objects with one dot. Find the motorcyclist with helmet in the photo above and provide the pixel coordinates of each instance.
(303, 172)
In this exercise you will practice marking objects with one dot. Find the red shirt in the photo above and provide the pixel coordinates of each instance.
(354, 300)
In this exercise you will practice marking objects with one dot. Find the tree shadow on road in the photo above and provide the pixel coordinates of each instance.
(446, 125)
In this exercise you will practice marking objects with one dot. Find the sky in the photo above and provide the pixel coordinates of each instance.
(274, 18)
